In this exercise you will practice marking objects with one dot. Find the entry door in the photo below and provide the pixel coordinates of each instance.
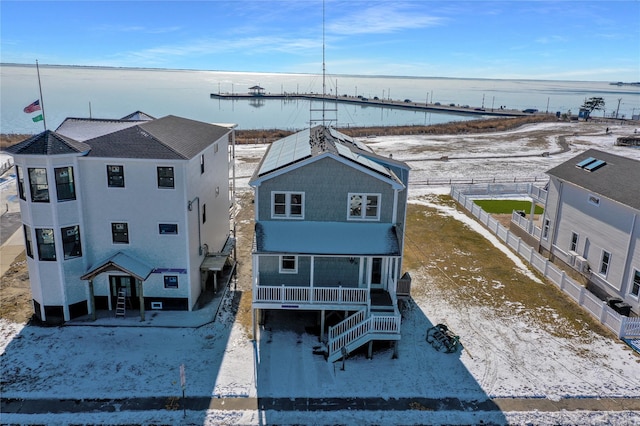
(128, 284)
(376, 272)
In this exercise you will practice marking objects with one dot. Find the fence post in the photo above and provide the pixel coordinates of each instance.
(603, 314)
(623, 326)
(562, 278)
(581, 296)
(282, 298)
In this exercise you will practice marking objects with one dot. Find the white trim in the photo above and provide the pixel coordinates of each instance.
(288, 271)
(363, 212)
(287, 214)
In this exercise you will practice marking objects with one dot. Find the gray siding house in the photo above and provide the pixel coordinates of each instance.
(329, 235)
(591, 222)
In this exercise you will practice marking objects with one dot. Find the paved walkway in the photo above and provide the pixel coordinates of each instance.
(56, 406)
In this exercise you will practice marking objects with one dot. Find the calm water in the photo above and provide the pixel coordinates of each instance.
(114, 93)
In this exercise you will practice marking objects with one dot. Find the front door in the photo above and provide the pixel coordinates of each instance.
(376, 272)
(128, 284)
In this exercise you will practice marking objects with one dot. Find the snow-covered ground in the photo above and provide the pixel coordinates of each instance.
(501, 359)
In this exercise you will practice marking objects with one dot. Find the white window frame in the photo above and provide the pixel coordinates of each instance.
(287, 214)
(363, 212)
(602, 263)
(574, 247)
(284, 270)
(545, 229)
(633, 277)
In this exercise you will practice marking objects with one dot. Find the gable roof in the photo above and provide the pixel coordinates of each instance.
(82, 129)
(315, 142)
(617, 180)
(138, 115)
(48, 143)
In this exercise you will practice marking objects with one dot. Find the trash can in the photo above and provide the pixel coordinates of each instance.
(622, 308)
(612, 301)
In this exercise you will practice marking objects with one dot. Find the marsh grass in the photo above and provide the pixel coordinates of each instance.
(467, 269)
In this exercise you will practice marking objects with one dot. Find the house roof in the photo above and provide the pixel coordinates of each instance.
(48, 143)
(138, 115)
(334, 238)
(617, 179)
(317, 141)
(120, 262)
(82, 129)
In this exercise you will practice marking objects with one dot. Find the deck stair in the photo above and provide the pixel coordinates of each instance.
(120, 304)
(360, 328)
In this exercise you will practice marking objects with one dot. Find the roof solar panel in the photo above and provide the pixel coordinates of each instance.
(347, 153)
(585, 162)
(592, 167)
(286, 151)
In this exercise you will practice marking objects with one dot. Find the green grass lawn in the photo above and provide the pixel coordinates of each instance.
(507, 206)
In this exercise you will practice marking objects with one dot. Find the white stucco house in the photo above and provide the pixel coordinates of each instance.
(134, 210)
(592, 223)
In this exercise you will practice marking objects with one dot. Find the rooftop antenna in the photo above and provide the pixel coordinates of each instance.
(324, 109)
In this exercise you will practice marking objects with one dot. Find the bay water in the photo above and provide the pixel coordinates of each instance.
(69, 91)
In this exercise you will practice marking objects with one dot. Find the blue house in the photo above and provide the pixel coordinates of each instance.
(329, 236)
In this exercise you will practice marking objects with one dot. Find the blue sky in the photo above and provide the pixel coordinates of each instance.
(556, 40)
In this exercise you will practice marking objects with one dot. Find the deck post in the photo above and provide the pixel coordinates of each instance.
(322, 325)
(253, 323)
(370, 350)
(141, 296)
(92, 301)
(395, 349)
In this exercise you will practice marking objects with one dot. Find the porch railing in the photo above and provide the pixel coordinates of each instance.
(359, 332)
(311, 295)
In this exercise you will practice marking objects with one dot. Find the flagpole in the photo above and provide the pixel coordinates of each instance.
(44, 119)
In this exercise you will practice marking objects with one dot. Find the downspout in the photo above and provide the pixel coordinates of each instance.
(190, 208)
(554, 228)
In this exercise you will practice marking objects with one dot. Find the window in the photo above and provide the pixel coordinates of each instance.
(545, 229)
(65, 188)
(120, 233)
(287, 205)
(635, 288)
(39, 185)
(168, 228)
(364, 206)
(71, 242)
(605, 262)
(28, 241)
(170, 281)
(204, 213)
(288, 264)
(46, 244)
(115, 176)
(165, 177)
(574, 242)
(20, 179)
(202, 164)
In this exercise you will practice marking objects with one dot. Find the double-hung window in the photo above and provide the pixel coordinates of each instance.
(65, 187)
(574, 242)
(288, 264)
(605, 261)
(39, 185)
(635, 286)
(545, 229)
(364, 206)
(287, 205)
(46, 244)
(115, 176)
(71, 242)
(165, 177)
(120, 233)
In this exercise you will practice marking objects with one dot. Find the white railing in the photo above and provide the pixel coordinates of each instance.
(289, 294)
(346, 324)
(617, 323)
(360, 332)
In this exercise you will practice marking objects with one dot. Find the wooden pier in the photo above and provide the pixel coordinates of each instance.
(380, 103)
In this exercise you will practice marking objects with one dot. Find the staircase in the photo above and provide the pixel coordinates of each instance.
(360, 328)
(120, 304)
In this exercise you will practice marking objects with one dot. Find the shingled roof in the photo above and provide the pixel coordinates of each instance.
(617, 180)
(167, 138)
(48, 143)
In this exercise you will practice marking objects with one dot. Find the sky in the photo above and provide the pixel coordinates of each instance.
(552, 40)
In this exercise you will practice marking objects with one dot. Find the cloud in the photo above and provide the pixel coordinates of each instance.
(382, 19)
(137, 29)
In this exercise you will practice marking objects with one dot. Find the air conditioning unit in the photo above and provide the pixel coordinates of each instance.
(571, 259)
(582, 265)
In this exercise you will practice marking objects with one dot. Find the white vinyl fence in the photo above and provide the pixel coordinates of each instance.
(623, 326)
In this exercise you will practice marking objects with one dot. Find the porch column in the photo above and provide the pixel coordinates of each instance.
(322, 325)
(92, 301)
(141, 297)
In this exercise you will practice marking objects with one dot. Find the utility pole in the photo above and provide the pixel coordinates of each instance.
(618, 109)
